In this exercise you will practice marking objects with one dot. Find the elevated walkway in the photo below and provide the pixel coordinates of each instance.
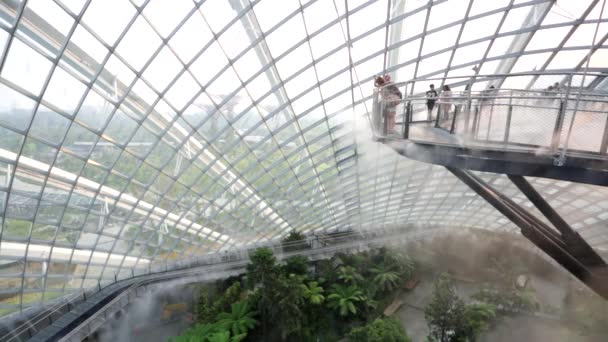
(74, 320)
(560, 134)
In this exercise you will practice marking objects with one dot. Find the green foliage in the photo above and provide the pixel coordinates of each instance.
(313, 292)
(450, 320)
(478, 316)
(224, 336)
(288, 313)
(279, 297)
(445, 314)
(349, 275)
(380, 330)
(507, 300)
(344, 299)
(204, 308)
(291, 303)
(262, 266)
(296, 264)
(239, 320)
(355, 261)
(294, 241)
(207, 311)
(197, 333)
(405, 265)
(386, 277)
(294, 236)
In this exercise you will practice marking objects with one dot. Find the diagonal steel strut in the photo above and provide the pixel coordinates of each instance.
(576, 244)
(561, 249)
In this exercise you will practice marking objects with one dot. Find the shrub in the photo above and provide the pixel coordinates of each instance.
(380, 330)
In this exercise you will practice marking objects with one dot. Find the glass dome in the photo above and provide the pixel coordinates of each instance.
(134, 132)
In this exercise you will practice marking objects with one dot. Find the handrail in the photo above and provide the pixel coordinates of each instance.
(512, 118)
(243, 262)
(485, 77)
(73, 299)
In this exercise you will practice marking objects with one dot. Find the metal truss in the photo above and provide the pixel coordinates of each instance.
(204, 126)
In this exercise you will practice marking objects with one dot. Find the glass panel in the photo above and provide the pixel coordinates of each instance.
(100, 12)
(162, 70)
(482, 27)
(270, 12)
(49, 125)
(165, 16)
(185, 47)
(15, 109)
(26, 68)
(208, 64)
(138, 44)
(64, 92)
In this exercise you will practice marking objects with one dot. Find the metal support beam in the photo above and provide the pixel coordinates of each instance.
(595, 279)
(576, 244)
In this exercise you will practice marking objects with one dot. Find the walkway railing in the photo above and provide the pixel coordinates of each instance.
(317, 246)
(26, 327)
(568, 120)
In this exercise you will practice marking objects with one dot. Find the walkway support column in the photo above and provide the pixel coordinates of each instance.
(592, 275)
(572, 239)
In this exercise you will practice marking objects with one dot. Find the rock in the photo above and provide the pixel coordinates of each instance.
(521, 281)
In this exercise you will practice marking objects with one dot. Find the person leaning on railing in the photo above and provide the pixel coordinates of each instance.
(391, 95)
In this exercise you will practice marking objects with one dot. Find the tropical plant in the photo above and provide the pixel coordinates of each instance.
(204, 307)
(289, 316)
(197, 333)
(386, 277)
(239, 320)
(344, 299)
(445, 314)
(380, 330)
(507, 300)
(262, 267)
(477, 317)
(313, 292)
(207, 311)
(349, 275)
(355, 261)
(294, 241)
(296, 264)
(224, 336)
(294, 236)
(405, 264)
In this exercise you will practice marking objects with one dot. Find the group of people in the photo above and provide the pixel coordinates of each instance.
(387, 97)
(445, 104)
(432, 96)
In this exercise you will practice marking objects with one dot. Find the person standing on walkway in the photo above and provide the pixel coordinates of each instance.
(444, 99)
(392, 97)
(377, 104)
(431, 98)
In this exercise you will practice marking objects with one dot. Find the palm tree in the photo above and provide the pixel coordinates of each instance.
(239, 320)
(406, 266)
(386, 277)
(349, 275)
(401, 262)
(343, 299)
(313, 292)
